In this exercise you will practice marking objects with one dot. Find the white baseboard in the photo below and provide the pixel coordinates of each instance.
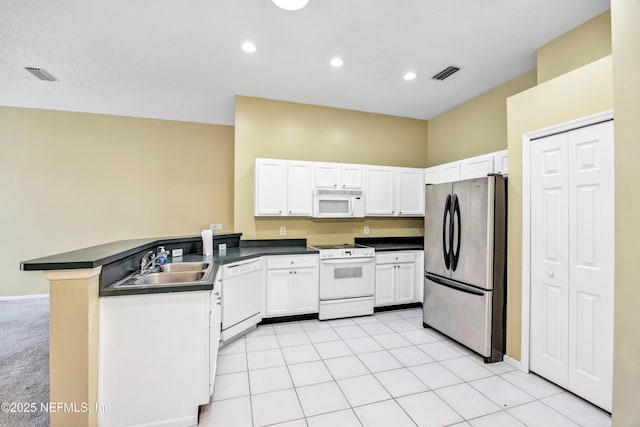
(511, 361)
(20, 297)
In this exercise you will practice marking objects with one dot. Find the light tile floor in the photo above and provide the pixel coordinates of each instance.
(381, 370)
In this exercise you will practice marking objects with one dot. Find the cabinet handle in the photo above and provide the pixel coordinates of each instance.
(400, 212)
(295, 272)
(218, 303)
(289, 212)
(279, 211)
(291, 272)
(335, 185)
(344, 185)
(550, 274)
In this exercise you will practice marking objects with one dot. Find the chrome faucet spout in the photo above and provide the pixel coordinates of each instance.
(147, 262)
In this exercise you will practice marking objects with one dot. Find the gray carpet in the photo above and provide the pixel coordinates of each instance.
(24, 359)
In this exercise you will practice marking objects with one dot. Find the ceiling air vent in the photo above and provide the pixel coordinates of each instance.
(41, 74)
(445, 73)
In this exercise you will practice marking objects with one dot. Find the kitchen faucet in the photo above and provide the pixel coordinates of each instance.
(147, 262)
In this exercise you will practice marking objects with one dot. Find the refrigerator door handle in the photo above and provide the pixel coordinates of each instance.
(453, 285)
(455, 254)
(446, 252)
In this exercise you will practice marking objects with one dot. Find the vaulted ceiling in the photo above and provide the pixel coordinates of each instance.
(182, 60)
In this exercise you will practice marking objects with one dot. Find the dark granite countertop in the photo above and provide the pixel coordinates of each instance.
(219, 259)
(383, 244)
(242, 253)
(121, 258)
(107, 253)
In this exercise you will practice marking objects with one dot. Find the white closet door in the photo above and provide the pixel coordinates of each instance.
(549, 258)
(591, 262)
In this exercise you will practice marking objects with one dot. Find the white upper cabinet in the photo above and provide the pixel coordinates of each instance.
(379, 184)
(450, 172)
(476, 167)
(393, 191)
(410, 191)
(270, 187)
(473, 167)
(501, 162)
(283, 187)
(338, 176)
(300, 188)
(432, 175)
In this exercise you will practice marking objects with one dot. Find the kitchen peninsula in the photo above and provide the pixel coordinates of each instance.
(78, 280)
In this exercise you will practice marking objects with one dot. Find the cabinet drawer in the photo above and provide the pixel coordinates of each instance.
(292, 261)
(395, 257)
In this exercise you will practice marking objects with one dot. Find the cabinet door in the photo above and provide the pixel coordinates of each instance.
(385, 277)
(327, 175)
(405, 283)
(432, 175)
(379, 198)
(305, 290)
(351, 176)
(450, 172)
(300, 188)
(476, 167)
(410, 190)
(501, 162)
(270, 187)
(278, 301)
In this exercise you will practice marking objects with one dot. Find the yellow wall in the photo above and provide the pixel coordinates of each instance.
(71, 180)
(587, 90)
(476, 127)
(625, 17)
(284, 130)
(578, 47)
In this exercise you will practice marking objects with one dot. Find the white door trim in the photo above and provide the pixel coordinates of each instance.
(526, 218)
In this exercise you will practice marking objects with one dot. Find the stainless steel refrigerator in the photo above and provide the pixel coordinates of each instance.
(465, 263)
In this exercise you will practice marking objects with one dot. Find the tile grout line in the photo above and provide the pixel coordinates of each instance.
(444, 340)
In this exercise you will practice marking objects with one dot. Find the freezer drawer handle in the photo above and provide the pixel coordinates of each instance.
(445, 251)
(453, 285)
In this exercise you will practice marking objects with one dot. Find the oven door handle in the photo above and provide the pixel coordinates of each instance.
(347, 261)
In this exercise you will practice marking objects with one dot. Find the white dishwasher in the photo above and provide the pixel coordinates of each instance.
(242, 284)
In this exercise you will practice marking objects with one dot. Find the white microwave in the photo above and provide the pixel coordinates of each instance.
(338, 203)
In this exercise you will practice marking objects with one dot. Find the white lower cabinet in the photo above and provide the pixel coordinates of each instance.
(398, 277)
(291, 285)
(154, 358)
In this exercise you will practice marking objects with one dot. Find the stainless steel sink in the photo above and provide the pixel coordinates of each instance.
(174, 277)
(184, 266)
(175, 273)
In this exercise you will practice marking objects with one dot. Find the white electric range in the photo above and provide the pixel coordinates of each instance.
(347, 280)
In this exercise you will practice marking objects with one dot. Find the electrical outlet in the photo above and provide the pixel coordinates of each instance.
(215, 227)
(283, 231)
(366, 229)
(176, 253)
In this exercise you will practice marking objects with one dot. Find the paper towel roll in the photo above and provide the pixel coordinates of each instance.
(207, 242)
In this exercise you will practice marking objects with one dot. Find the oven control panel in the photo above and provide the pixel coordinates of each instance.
(347, 253)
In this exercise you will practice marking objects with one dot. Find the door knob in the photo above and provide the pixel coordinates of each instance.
(550, 273)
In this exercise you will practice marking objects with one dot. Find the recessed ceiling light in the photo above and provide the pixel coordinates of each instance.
(248, 47)
(291, 4)
(337, 62)
(410, 75)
